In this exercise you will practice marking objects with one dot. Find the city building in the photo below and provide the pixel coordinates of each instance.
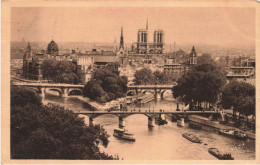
(142, 54)
(32, 62)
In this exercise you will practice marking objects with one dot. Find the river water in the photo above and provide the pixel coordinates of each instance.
(161, 142)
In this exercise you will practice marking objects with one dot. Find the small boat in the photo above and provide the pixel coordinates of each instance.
(191, 137)
(233, 133)
(240, 135)
(160, 121)
(222, 156)
(123, 134)
(227, 132)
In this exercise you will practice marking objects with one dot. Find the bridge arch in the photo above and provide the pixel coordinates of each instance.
(130, 93)
(163, 92)
(80, 91)
(56, 90)
(148, 90)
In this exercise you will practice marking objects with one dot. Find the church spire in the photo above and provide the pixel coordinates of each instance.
(147, 24)
(193, 52)
(121, 39)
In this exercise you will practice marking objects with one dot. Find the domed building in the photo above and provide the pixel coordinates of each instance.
(32, 62)
(52, 48)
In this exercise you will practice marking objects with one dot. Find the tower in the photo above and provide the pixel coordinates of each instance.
(193, 57)
(27, 61)
(158, 40)
(142, 40)
(121, 39)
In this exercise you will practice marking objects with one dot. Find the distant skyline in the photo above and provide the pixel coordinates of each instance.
(199, 26)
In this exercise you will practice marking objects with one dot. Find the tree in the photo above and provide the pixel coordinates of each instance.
(143, 77)
(105, 85)
(49, 69)
(203, 83)
(204, 59)
(162, 78)
(52, 132)
(60, 71)
(24, 96)
(240, 96)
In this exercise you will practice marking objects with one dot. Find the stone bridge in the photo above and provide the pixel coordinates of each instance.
(157, 90)
(149, 113)
(63, 89)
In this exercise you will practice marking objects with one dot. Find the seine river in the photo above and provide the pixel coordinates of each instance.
(161, 142)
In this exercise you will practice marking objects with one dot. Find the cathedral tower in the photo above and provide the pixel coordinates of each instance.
(158, 39)
(142, 40)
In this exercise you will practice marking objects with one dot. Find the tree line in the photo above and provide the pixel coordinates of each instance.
(51, 132)
(145, 76)
(206, 84)
(60, 71)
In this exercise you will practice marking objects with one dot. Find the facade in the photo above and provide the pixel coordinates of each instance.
(241, 71)
(143, 46)
(86, 65)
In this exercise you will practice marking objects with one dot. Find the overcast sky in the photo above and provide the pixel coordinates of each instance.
(207, 26)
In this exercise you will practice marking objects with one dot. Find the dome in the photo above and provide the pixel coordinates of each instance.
(52, 48)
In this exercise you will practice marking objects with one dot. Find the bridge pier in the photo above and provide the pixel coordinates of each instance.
(151, 122)
(91, 121)
(181, 123)
(43, 92)
(121, 122)
(64, 92)
(158, 95)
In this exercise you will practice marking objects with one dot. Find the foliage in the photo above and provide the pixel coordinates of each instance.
(51, 132)
(203, 83)
(240, 96)
(145, 76)
(60, 71)
(23, 96)
(204, 59)
(105, 85)
(163, 78)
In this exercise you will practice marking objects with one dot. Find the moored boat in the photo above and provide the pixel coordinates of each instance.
(222, 156)
(191, 137)
(123, 134)
(240, 135)
(227, 132)
(160, 121)
(233, 133)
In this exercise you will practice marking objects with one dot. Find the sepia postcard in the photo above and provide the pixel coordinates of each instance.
(130, 82)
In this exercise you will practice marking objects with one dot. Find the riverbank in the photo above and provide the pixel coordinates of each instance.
(112, 105)
(215, 124)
